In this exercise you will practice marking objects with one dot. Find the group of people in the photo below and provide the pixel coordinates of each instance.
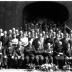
(34, 46)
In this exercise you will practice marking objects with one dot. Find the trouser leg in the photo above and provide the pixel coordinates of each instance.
(22, 52)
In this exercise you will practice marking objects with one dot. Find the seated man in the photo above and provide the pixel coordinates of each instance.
(48, 45)
(24, 40)
(38, 43)
(5, 41)
(1, 55)
(14, 45)
(23, 43)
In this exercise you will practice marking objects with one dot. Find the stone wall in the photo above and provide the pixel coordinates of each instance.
(11, 13)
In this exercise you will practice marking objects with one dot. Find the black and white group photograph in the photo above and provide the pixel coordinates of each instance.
(35, 36)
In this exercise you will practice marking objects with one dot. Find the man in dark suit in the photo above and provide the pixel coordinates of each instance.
(5, 42)
(5, 38)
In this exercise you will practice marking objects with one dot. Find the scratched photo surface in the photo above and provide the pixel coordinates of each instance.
(36, 36)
